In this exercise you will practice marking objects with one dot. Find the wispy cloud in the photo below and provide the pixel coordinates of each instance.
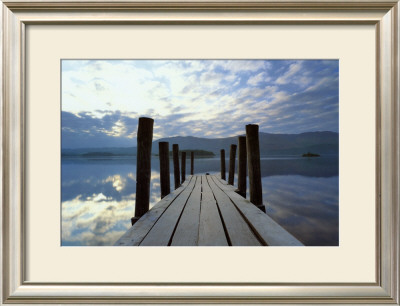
(102, 100)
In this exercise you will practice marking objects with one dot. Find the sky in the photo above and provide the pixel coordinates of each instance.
(102, 100)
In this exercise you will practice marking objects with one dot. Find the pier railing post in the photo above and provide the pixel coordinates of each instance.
(242, 166)
(253, 162)
(183, 167)
(175, 153)
(192, 163)
(223, 171)
(232, 158)
(163, 151)
(143, 167)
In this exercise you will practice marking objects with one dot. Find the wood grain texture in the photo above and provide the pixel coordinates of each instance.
(187, 231)
(266, 229)
(239, 233)
(211, 230)
(161, 233)
(135, 234)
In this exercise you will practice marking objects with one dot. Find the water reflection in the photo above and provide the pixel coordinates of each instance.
(306, 206)
(98, 199)
(98, 196)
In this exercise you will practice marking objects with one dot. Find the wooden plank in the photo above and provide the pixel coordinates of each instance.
(162, 231)
(139, 230)
(238, 231)
(211, 230)
(187, 231)
(267, 230)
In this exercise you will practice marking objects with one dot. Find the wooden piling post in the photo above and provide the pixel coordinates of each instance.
(143, 167)
(163, 151)
(253, 163)
(223, 171)
(242, 166)
(183, 167)
(232, 158)
(192, 163)
(175, 153)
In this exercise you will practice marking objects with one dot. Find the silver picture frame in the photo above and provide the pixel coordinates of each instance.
(18, 14)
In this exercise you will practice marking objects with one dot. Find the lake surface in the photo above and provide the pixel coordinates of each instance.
(98, 196)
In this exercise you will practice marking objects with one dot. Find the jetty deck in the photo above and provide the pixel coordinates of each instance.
(206, 211)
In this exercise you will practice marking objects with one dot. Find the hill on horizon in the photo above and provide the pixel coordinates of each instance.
(270, 144)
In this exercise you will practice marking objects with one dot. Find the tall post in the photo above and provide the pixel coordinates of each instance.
(242, 166)
(163, 151)
(232, 158)
(175, 154)
(143, 167)
(183, 166)
(253, 163)
(223, 171)
(192, 163)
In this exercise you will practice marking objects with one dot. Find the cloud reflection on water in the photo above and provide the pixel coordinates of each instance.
(98, 198)
(98, 201)
(306, 206)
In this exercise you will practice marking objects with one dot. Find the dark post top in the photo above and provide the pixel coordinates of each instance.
(175, 153)
(253, 163)
(223, 171)
(232, 158)
(143, 166)
(163, 149)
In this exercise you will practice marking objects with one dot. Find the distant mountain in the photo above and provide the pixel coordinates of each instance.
(89, 152)
(270, 144)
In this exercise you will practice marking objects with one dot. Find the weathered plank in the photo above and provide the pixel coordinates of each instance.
(139, 230)
(238, 231)
(161, 233)
(267, 230)
(211, 230)
(187, 231)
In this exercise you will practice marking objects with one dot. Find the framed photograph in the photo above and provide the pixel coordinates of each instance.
(319, 80)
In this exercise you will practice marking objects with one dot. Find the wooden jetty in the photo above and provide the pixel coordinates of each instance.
(206, 211)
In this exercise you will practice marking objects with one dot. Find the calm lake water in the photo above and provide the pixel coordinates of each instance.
(98, 196)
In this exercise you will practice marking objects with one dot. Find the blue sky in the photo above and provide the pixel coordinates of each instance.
(103, 99)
